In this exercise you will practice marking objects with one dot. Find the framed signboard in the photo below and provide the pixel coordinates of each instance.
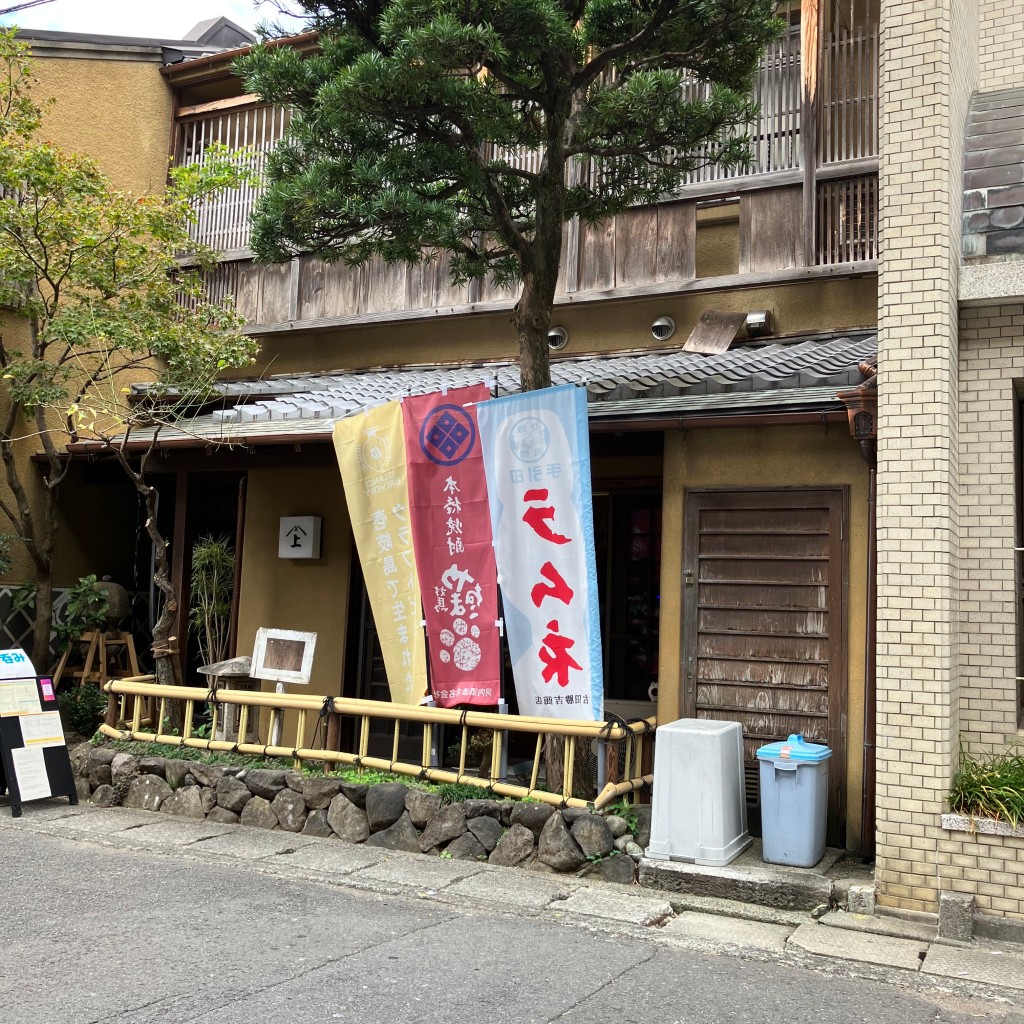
(34, 762)
(283, 655)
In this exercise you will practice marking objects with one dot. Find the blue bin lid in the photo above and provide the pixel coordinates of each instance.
(796, 748)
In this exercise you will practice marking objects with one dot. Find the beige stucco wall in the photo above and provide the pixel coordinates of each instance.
(928, 72)
(117, 112)
(594, 328)
(289, 594)
(745, 457)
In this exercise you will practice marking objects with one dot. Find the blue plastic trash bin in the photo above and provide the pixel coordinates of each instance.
(794, 801)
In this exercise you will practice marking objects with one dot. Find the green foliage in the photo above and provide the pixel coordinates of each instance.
(213, 577)
(989, 787)
(107, 283)
(86, 608)
(24, 598)
(480, 743)
(627, 812)
(395, 109)
(81, 708)
(408, 119)
(455, 792)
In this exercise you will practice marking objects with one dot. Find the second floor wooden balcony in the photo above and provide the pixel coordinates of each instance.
(643, 250)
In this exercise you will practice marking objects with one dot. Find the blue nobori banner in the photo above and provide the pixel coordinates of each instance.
(537, 461)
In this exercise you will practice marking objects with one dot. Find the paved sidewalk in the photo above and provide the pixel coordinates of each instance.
(894, 951)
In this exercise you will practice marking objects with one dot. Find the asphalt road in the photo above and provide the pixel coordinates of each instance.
(92, 934)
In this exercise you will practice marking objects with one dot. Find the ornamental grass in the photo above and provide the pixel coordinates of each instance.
(989, 787)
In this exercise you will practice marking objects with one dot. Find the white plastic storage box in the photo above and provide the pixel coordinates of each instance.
(794, 801)
(699, 809)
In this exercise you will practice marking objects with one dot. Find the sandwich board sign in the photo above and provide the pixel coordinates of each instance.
(34, 762)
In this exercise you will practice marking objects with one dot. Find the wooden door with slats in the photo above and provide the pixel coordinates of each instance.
(764, 621)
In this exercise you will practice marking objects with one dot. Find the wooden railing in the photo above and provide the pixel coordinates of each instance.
(252, 130)
(139, 710)
(848, 101)
(847, 117)
(847, 220)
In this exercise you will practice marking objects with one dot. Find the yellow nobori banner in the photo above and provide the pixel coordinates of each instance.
(371, 453)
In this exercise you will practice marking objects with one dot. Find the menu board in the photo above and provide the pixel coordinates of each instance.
(34, 762)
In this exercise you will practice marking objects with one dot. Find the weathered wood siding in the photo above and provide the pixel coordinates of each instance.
(764, 620)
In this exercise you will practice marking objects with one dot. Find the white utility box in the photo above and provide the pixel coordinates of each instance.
(699, 811)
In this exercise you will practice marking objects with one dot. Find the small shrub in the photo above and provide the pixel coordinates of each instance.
(456, 792)
(82, 707)
(989, 787)
(86, 608)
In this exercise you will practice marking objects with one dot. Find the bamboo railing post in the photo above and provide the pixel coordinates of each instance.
(300, 732)
(574, 732)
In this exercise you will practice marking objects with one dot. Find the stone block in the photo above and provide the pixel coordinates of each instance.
(956, 916)
(860, 899)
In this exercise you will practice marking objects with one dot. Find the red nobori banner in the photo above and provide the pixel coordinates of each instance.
(451, 533)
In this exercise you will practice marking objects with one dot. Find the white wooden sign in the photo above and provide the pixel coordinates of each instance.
(283, 655)
(299, 537)
(16, 664)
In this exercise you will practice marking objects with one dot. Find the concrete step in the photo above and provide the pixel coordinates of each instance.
(685, 902)
(895, 927)
(744, 881)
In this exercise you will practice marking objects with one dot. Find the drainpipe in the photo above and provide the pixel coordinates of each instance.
(862, 410)
(867, 816)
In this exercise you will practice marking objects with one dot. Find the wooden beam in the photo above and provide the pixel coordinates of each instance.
(727, 282)
(810, 25)
(250, 99)
(179, 562)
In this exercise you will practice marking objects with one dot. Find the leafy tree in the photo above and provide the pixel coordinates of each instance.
(408, 118)
(92, 288)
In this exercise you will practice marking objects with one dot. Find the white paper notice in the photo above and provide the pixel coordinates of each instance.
(30, 771)
(42, 730)
(27, 696)
(8, 699)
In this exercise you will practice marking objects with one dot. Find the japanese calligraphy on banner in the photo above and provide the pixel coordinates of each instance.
(537, 457)
(451, 531)
(371, 454)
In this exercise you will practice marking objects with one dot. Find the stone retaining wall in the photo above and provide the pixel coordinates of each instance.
(389, 815)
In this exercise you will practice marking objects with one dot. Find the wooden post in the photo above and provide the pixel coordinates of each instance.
(810, 24)
(180, 562)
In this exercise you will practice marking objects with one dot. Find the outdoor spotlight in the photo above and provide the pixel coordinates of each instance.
(558, 338)
(663, 328)
(759, 323)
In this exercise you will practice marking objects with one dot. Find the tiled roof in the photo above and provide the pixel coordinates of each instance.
(802, 374)
(993, 209)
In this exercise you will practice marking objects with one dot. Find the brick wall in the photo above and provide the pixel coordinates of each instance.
(991, 360)
(989, 867)
(1001, 44)
(928, 72)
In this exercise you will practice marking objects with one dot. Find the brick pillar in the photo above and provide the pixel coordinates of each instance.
(928, 71)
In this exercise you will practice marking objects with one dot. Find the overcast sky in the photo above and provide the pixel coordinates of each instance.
(158, 19)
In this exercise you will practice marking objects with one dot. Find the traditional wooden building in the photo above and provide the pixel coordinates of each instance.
(745, 572)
